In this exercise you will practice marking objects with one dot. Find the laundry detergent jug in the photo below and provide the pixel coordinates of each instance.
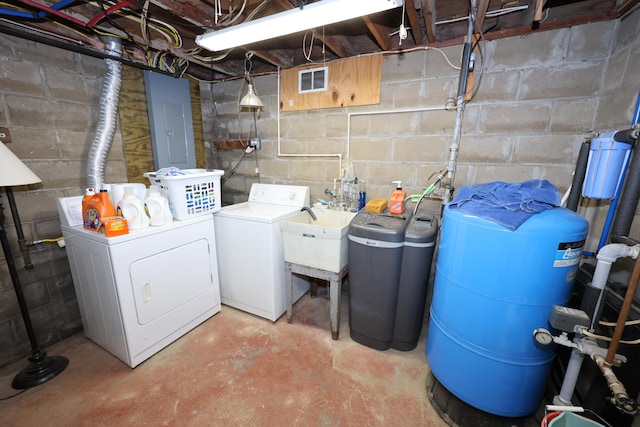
(157, 208)
(132, 208)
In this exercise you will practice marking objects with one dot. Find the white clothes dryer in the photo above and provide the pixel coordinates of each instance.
(251, 252)
(141, 291)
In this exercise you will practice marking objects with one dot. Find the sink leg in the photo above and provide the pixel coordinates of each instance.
(289, 287)
(335, 292)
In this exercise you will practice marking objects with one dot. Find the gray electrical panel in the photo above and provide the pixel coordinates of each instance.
(170, 121)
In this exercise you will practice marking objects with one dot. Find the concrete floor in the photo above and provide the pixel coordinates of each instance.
(234, 369)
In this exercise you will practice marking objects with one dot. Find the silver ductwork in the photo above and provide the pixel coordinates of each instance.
(101, 145)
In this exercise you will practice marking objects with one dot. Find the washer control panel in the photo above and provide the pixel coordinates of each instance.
(275, 194)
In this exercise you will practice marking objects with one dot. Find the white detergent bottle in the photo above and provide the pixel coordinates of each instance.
(157, 207)
(132, 208)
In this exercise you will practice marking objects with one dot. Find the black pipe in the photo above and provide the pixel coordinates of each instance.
(77, 49)
(578, 177)
(628, 200)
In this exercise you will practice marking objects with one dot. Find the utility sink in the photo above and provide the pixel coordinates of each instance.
(321, 243)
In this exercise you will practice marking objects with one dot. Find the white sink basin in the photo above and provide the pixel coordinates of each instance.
(321, 243)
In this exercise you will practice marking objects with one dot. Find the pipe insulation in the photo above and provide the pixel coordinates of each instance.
(101, 145)
(578, 177)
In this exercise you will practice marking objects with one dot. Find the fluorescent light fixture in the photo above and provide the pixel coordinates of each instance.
(313, 15)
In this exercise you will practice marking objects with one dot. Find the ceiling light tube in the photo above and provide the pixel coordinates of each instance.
(313, 15)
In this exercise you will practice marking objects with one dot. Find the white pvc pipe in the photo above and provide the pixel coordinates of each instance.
(281, 154)
(607, 255)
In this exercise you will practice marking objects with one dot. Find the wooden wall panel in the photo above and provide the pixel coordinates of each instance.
(198, 132)
(134, 121)
(353, 81)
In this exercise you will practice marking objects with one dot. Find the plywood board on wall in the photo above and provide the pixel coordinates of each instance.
(134, 122)
(353, 81)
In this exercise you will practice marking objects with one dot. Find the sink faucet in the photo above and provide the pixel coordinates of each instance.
(313, 216)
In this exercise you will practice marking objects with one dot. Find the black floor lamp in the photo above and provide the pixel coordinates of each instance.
(41, 367)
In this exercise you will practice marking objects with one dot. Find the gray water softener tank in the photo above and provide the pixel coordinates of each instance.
(375, 258)
(417, 254)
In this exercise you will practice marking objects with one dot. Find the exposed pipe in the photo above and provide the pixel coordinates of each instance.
(460, 104)
(77, 49)
(101, 145)
(578, 177)
(281, 154)
(606, 257)
(54, 12)
(624, 312)
(630, 196)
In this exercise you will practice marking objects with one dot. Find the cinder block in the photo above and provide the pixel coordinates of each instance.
(531, 117)
(69, 86)
(573, 116)
(590, 41)
(536, 49)
(402, 67)
(22, 78)
(47, 114)
(371, 149)
(550, 149)
(570, 80)
(500, 86)
(486, 149)
(419, 148)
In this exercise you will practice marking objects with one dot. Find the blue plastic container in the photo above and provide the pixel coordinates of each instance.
(607, 159)
(492, 288)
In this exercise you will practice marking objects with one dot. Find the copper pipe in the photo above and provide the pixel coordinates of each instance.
(624, 312)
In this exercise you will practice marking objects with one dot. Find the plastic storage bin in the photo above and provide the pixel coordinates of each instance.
(417, 255)
(375, 259)
(195, 193)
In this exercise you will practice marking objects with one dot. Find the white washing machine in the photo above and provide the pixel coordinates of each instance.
(141, 291)
(251, 252)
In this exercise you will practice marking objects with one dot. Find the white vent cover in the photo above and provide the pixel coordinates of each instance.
(313, 80)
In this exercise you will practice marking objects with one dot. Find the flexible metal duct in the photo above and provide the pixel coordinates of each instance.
(101, 145)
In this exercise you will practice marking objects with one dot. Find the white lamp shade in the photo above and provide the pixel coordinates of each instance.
(12, 171)
(251, 100)
(313, 15)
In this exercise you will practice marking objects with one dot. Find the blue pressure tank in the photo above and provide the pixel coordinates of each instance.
(493, 287)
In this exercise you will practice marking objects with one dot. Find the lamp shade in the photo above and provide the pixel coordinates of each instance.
(251, 100)
(12, 171)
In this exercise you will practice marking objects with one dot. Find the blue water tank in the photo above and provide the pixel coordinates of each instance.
(492, 288)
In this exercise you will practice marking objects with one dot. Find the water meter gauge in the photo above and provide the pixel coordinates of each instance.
(542, 336)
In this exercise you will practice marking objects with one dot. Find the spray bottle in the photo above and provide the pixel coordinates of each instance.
(396, 202)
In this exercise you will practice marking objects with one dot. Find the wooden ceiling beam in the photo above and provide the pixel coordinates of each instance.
(338, 44)
(378, 33)
(481, 13)
(428, 9)
(416, 27)
(277, 58)
(197, 12)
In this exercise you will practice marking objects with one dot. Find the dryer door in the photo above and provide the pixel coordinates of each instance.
(160, 289)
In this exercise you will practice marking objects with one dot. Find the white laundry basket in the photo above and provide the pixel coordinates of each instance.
(195, 193)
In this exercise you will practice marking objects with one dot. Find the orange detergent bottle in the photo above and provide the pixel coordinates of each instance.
(95, 207)
(396, 201)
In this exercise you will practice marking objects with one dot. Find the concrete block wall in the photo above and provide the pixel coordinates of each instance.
(49, 101)
(538, 98)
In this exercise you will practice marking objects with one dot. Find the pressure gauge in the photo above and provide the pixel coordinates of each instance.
(542, 336)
